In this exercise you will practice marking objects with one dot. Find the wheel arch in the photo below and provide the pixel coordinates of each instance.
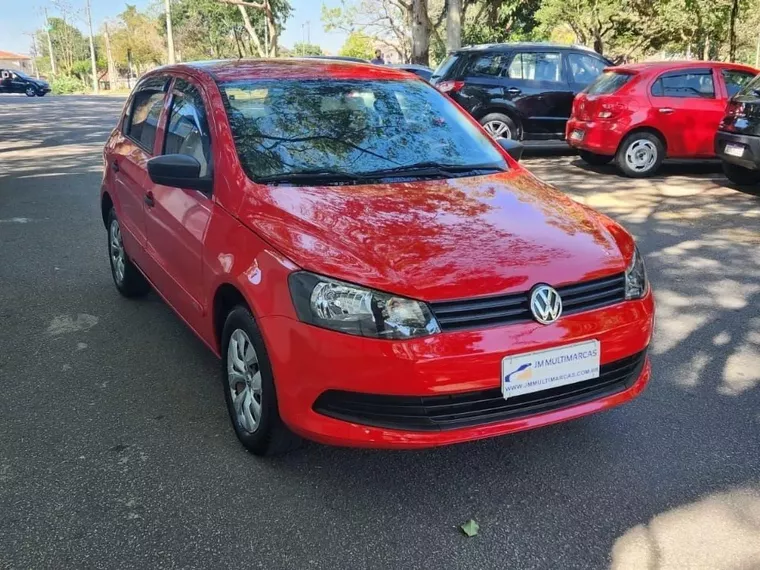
(644, 129)
(226, 297)
(510, 112)
(106, 203)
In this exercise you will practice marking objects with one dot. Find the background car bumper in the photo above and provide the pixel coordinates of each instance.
(600, 137)
(308, 361)
(751, 158)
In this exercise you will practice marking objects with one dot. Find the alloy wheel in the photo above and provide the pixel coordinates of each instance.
(498, 129)
(244, 376)
(116, 247)
(641, 155)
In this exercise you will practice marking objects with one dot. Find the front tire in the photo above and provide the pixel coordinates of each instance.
(739, 175)
(595, 159)
(127, 278)
(501, 126)
(640, 155)
(249, 389)
(30, 92)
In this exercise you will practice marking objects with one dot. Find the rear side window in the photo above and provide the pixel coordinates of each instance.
(735, 80)
(608, 82)
(584, 68)
(685, 85)
(536, 66)
(751, 89)
(488, 65)
(446, 65)
(187, 129)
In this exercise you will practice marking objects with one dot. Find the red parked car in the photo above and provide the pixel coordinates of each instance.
(372, 268)
(641, 114)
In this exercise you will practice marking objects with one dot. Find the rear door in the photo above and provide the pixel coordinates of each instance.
(687, 109)
(484, 87)
(735, 80)
(128, 156)
(176, 218)
(538, 87)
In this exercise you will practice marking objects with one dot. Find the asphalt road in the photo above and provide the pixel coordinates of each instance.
(116, 450)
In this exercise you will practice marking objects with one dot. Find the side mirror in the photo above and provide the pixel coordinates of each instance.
(178, 170)
(514, 148)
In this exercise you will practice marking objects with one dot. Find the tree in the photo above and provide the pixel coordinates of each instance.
(301, 48)
(274, 14)
(136, 34)
(358, 45)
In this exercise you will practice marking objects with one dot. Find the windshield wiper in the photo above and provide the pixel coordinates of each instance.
(430, 168)
(316, 176)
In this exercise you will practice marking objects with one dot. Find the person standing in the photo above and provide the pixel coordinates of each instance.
(378, 60)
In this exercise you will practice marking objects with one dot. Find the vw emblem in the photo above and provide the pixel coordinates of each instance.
(545, 304)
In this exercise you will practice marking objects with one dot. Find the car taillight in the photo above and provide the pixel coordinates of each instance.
(735, 109)
(609, 110)
(449, 86)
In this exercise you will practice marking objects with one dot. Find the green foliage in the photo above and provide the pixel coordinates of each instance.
(66, 84)
(301, 48)
(358, 45)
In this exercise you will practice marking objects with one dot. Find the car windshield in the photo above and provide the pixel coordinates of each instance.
(350, 127)
(608, 82)
(21, 74)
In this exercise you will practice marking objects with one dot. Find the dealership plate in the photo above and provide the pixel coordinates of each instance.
(735, 150)
(545, 369)
(576, 135)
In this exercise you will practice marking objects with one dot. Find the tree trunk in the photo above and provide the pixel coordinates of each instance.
(420, 33)
(706, 52)
(109, 57)
(169, 35)
(251, 31)
(454, 25)
(93, 63)
(598, 44)
(732, 31)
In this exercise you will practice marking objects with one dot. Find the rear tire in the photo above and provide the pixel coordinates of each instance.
(249, 389)
(127, 278)
(739, 175)
(640, 155)
(499, 125)
(595, 159)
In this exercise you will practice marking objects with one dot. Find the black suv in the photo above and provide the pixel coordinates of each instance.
(15, 81)
(520, 90)
(737, 142)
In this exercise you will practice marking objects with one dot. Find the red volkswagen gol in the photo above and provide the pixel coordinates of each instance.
(372, 268)
(640, 114)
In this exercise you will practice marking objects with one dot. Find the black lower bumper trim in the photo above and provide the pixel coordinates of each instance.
(751, 157)
(453, 411)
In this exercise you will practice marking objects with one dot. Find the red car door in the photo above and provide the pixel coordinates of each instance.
(176, 218)
(128, 154)
(687, 107)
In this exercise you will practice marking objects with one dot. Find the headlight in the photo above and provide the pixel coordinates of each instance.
(636, 277)
(356, 310)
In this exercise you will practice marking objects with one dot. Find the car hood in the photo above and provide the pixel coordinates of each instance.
(438, 239)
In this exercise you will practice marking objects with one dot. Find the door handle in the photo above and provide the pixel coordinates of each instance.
(666, 110)
(115, 166)
(149, 201)
(513, 91)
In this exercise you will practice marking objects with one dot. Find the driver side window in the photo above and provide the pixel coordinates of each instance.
(187, 130)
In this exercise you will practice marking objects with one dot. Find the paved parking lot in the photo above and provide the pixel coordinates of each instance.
(116, 450)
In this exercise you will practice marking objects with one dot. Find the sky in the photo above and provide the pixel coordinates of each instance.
(20, 17)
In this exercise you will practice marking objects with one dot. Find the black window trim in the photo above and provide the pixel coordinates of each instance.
(171, 91)
(684, 71)
(168, 80)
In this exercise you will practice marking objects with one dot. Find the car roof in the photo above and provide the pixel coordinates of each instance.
(411, 66)
(686, 64)
(526, 45)
(290, 68)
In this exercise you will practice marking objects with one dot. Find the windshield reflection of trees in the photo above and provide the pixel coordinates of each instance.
(348, 126)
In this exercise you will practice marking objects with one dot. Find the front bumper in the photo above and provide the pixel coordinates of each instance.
(309, 362)
(599, 137)
(751, 157)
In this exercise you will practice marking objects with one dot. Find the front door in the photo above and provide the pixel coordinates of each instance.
(176, 218)
(541, 92)
(687, 109)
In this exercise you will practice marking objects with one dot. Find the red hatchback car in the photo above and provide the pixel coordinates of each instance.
(372, 268)
(641, 114)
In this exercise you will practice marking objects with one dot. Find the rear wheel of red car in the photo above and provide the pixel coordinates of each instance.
(127, 278)
(595, 159)
(741, 176)
(500, 126)
(249, 389)
(640, 155)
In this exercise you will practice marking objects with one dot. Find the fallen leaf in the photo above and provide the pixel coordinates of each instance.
(470, 528)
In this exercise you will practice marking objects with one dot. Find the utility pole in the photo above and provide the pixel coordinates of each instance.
(169, 35)
(308, 32)
(109, 56)
(50, 43)
(95, 85)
